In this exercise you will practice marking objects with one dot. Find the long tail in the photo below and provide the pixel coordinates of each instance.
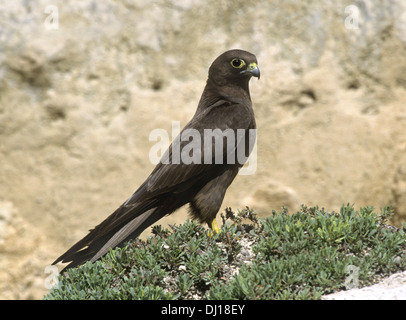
(108, 235)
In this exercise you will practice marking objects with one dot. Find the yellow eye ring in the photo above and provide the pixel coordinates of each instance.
(237, 63)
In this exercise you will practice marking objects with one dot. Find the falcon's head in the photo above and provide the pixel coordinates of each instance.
(234, 66)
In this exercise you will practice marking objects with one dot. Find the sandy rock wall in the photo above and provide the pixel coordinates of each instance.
(83, 84)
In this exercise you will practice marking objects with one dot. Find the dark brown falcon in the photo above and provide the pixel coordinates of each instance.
(177, 180)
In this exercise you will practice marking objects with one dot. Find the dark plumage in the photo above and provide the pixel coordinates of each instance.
(224, 104)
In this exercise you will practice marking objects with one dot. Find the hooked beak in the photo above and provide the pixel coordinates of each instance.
(253, 70)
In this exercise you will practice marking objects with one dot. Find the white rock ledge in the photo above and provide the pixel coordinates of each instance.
(392, 288)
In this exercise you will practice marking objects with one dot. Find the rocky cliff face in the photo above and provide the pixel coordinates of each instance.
(83, 84)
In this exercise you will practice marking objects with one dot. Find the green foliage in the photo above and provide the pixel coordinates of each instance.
(298, 256)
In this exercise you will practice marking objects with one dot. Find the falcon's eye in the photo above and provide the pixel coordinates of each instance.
(237, 63)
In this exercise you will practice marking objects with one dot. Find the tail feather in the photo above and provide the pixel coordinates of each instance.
(130, 231)
(100, 239)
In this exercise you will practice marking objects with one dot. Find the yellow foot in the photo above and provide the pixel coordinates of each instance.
(214, 228)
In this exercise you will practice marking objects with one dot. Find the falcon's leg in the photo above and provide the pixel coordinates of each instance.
(207, 202)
